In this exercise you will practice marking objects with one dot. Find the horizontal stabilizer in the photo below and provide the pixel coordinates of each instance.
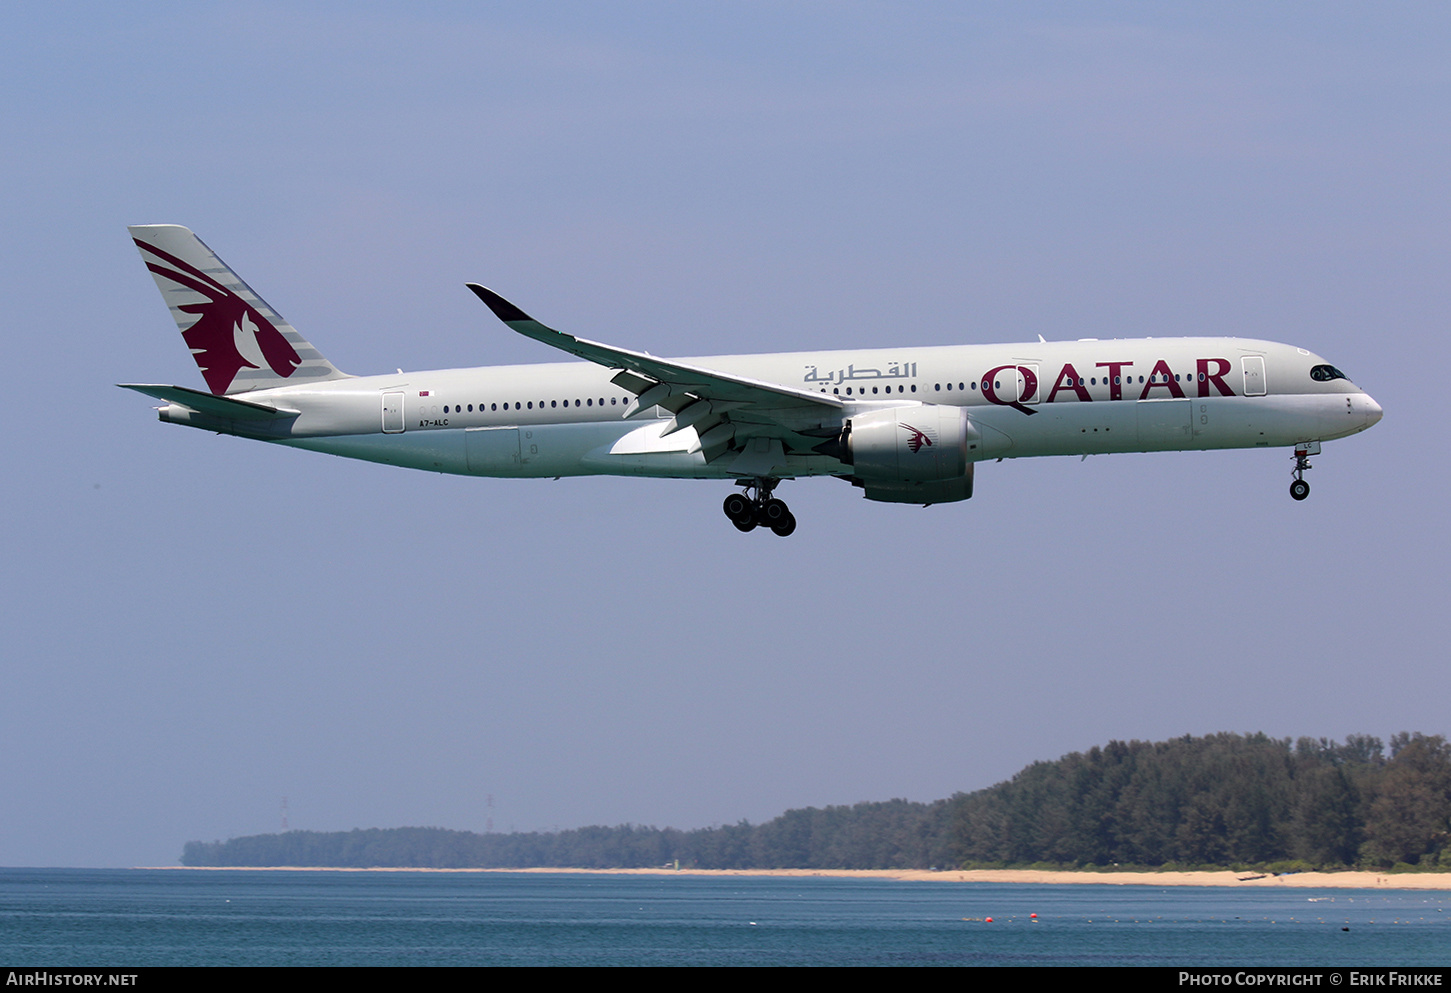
(206, 403)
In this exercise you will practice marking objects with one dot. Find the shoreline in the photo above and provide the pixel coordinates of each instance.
(1350, 879)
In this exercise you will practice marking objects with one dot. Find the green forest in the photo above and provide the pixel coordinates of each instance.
(1220, 801)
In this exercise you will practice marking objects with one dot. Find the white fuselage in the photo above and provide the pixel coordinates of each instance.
(1136, 395)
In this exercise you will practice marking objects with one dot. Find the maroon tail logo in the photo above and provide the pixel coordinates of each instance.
(918, 439)
(230, 335)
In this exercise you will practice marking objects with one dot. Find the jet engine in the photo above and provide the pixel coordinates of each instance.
(922, 454)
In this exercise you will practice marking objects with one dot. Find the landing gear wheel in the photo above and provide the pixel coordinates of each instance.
(757, 508)
(1299, 489)
(739, 509)
(773, 512)
(784, 528)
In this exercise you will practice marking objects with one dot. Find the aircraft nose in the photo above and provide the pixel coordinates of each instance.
(1372, 411)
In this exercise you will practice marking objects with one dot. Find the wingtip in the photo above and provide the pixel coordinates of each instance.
(503, 309)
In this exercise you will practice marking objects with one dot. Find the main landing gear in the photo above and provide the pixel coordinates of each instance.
(757, 508)
(1300, 489)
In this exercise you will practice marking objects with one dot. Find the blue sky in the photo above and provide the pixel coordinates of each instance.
(197, 626)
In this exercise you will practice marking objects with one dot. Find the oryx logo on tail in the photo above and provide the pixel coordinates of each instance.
(230, 334)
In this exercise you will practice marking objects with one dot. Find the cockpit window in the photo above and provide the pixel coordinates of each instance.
(1325, 373)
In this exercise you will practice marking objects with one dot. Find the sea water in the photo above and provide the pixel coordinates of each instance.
(141, 917)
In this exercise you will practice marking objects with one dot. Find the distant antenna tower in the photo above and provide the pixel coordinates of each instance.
(489, 821)
(284, 813)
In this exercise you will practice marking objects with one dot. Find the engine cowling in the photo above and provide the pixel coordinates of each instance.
(926, 494)
(921, 454)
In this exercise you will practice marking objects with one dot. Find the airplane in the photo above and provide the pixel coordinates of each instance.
(905, 425)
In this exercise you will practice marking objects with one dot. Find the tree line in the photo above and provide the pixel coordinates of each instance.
(1216, 801)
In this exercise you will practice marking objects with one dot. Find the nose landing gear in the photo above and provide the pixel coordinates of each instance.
(1300, 489)
(757, 508)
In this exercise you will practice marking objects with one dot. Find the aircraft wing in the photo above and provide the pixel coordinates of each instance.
(721, 406)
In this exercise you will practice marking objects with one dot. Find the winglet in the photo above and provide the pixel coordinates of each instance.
(503, 309)
(516, 320)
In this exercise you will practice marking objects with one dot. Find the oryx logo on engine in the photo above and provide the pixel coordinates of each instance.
(918, 439)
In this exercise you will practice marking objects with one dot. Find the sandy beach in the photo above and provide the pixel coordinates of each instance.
(1318, 880)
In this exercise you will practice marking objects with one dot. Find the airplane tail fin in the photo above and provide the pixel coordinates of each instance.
(239, 342)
